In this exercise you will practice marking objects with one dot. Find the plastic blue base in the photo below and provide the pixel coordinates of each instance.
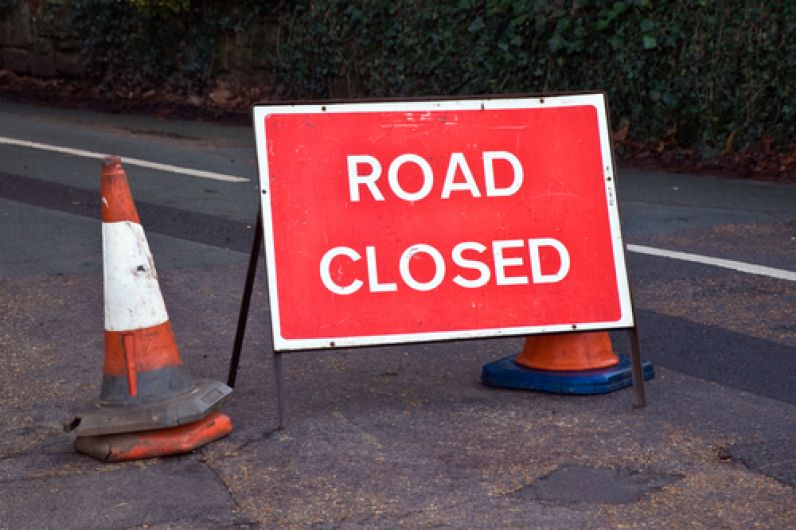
(508, 374)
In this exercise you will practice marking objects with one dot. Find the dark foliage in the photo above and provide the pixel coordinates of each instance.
(698, 76)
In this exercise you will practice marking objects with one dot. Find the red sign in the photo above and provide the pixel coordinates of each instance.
(412, 221)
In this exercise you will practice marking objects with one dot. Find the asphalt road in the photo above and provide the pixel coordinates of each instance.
(735, 328)
(711, 324)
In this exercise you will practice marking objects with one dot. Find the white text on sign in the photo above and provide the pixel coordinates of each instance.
(504, 269)
(369, 175)
(501, 265)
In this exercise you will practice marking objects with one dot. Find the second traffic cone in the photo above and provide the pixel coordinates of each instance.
(144, 383)
(568, 351)
(565, 363)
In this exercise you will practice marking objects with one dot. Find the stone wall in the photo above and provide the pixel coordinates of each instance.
(36, 39)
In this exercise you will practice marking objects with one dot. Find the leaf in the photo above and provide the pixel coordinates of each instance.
(649, 42)
(648, 25)
(618, 8)
(730, 140)
(476, 25)
(620, 135)
(555, 43)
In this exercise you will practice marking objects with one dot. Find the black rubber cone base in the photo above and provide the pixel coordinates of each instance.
(191, 406)
(506, 373)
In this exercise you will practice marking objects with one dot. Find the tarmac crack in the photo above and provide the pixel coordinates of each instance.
(372, 440)
(262, 437)
(237, 508)
(773, 458)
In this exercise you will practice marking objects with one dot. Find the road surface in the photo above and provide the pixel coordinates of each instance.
(712, 263)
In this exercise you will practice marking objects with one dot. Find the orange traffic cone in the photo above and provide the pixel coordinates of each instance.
(566, 363)
(148, 444)
(144, 384)
(568, 351)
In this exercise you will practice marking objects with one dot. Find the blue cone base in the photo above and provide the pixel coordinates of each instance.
(508, 374)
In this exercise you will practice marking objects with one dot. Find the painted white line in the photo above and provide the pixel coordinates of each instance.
(748, 268)
(125, 159)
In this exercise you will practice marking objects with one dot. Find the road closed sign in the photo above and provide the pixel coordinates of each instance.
(392, 222)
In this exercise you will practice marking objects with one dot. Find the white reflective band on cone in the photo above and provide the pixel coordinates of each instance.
(132, 294)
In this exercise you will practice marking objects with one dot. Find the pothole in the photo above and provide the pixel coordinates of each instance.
(582, 484)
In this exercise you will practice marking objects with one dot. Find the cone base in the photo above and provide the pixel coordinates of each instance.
(151, 444)
(192, 406)
(506, 373)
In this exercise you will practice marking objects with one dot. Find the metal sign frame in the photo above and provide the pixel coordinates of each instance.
(263, 225)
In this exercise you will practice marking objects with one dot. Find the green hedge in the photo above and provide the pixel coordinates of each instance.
(132, 47)
(703, 76)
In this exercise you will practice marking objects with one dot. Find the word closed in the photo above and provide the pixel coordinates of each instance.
(482, 269)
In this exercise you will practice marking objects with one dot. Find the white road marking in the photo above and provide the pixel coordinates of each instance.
(741, 266)
(125, 159)
(748, 268)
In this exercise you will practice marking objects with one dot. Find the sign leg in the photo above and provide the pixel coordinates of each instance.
(637, 370)
(280, 390)
(245, 301)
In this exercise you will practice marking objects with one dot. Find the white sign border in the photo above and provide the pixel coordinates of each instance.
(596, 100)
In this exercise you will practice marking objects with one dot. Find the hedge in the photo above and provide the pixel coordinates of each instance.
(706, 77)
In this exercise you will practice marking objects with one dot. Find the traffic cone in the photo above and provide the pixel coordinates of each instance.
(145, 386)
(565, 363)
(148, 444)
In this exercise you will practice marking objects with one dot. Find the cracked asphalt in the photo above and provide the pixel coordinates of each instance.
(399, 436)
